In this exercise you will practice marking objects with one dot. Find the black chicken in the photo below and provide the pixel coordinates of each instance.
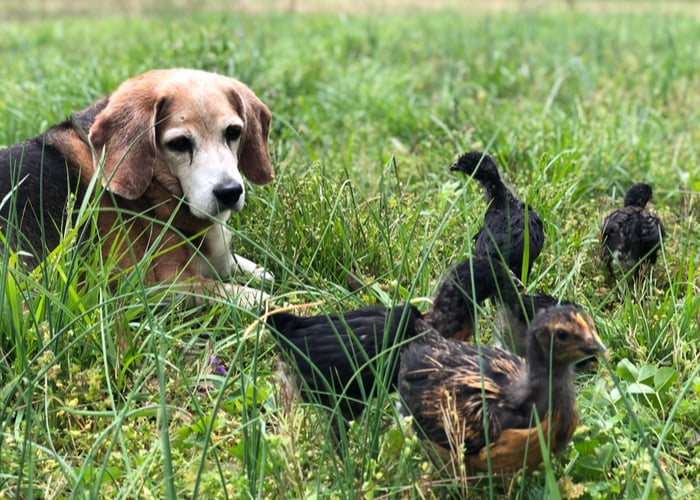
(340, 356)
(512, 230)
(464, 287)
(631, 236)
(451, 387)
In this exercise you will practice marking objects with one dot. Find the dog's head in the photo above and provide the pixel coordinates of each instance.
(192, 131)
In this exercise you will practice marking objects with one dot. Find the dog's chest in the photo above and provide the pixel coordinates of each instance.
(215, 256)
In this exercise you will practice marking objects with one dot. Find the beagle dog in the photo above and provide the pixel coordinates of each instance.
(168, 149)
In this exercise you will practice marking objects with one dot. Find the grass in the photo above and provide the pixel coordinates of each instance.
(112, 391)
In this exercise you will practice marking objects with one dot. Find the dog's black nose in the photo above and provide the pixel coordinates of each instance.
(228, 193)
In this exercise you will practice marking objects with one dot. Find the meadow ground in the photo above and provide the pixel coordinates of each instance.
(116, 391)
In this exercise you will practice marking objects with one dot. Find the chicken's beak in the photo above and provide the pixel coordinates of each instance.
(592, 345)
(596, 346)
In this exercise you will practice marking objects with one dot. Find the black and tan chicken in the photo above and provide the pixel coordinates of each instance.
(512, 230)
(491, 403)
(631, 236)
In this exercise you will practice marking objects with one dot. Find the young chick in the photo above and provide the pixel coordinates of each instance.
(450, 387)
(339, 356)
(463, 288)
(631, 235)
(504, 234)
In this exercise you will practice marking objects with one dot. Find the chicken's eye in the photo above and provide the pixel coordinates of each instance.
(562, 335)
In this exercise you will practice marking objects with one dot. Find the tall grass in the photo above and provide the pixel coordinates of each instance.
(113, 390)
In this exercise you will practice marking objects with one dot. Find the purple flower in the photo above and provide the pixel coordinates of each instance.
(218, 367)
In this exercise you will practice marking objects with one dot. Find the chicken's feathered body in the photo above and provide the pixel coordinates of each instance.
(631, 235)
(341, 355)
(463, 288)
(511, 227)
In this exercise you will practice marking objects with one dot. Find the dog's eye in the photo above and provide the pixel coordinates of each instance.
(233, 133)
(180, 145)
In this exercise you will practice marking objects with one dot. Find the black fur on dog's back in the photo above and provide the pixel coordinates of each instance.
(36, 181)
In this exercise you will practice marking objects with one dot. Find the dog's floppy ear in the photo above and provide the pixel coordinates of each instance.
(253, 156)
(125, 129)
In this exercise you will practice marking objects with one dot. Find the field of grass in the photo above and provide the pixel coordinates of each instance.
(119, 392)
